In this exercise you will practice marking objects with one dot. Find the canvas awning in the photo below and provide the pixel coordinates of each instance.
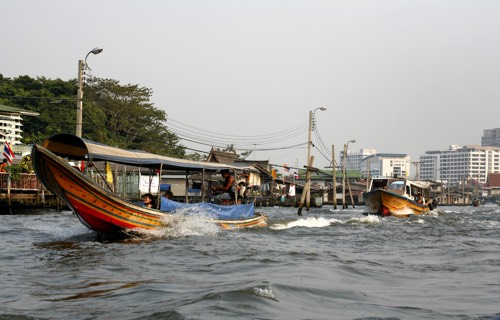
(419, 184)
(74, 148)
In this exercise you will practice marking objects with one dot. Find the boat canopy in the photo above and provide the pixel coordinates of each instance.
(75, 148)
(419, 184)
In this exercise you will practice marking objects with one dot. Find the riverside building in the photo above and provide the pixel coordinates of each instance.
(386, 165)
(10, 124)
(459, 164)
(491, 138)
(353, 159)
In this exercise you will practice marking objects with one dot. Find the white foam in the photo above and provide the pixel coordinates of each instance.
(367, 219)
(310, 222)
(266, 292)
(180, 225)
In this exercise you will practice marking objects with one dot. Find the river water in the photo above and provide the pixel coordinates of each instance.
(325, 264)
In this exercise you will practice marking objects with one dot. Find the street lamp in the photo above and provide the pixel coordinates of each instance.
(344, 172)
(82, 65)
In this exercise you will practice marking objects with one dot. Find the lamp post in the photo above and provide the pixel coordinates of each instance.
(344, 172)
(82, 65)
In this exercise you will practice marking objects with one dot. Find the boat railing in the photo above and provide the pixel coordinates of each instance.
(124, 183)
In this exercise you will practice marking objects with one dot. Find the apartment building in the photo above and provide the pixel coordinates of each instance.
(491, 138)
(459, 164)
(386, 165)
(353, 159)
(10, 123)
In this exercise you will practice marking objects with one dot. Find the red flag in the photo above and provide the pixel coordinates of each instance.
(7, 152)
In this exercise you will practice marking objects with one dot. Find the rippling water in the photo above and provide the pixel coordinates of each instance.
(325, 264)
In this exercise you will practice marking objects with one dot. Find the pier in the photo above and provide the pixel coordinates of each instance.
(23, 190)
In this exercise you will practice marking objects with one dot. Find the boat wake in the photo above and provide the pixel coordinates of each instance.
(320, 222)
(310, 222)
(180, 225)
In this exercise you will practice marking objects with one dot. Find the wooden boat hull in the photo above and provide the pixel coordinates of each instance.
(386, 203)
(259, 221)
(102, 210)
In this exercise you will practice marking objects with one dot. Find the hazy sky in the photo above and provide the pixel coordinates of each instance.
(396, 76)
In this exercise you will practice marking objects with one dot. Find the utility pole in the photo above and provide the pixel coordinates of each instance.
(334, 182)
(82, 65)
(417, 166)
(79, 99)
(368, 175)
(344, 206)
(307, 185)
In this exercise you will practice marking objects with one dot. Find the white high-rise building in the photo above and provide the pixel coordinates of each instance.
(386, 165)
(10, 124)
(491, 138)
(459, 164)
(353, 159)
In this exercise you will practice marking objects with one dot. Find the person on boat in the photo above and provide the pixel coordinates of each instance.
(432, 203)
(168, 194)
(164, 203)
(148, 200)
(417, 197)
(226, 188)
(242, 188)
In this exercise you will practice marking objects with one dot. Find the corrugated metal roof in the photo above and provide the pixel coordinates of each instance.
(9, 109)
(493, 180)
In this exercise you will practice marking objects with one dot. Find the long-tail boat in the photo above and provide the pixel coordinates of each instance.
(107, 212)
(399, 197)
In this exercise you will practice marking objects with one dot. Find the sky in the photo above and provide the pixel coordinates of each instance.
(398, 76)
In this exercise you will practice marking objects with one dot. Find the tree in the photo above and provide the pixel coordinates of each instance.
(242, 156)
(123, 116)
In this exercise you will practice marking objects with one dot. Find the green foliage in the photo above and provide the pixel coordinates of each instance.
(244, 155)
(50, 98)
(26, 165)
(196, 157)
(15, 170)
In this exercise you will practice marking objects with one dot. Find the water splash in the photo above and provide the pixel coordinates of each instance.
(310, 222)
(266, 292)
(369, 219)
(182, 225)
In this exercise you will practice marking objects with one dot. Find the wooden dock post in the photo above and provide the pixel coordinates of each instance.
(307, 188)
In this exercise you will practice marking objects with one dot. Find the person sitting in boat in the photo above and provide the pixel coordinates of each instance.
(242, 188)
(226, 188)
(432, 203)
(418, 198)
(148, 200)
(168, 194)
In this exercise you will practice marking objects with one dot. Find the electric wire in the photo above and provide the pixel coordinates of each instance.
(244, 142)
(185, 132)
